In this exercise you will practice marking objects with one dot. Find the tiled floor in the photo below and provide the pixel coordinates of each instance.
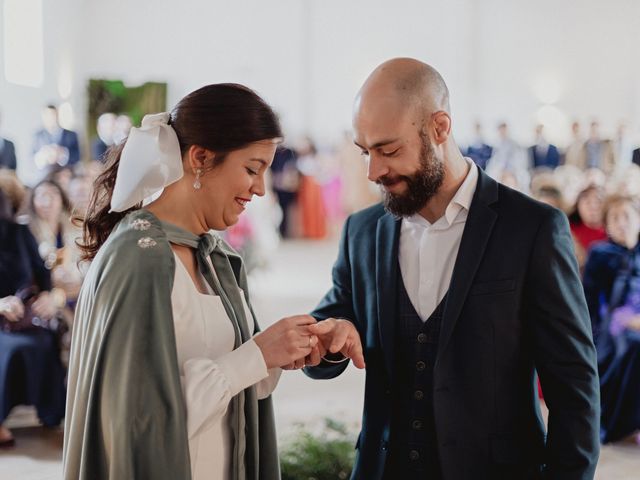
(300, 274)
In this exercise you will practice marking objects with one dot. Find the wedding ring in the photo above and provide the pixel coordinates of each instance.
(309, 346)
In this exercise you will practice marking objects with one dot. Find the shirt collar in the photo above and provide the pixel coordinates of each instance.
(460, 201)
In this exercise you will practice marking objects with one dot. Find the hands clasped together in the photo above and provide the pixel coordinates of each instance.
(299, 341)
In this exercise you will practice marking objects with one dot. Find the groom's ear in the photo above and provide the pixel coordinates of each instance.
(440, 127)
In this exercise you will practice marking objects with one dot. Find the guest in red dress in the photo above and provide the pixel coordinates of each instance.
(587, 226)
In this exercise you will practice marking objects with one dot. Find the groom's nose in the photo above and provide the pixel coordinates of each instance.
(376, 168)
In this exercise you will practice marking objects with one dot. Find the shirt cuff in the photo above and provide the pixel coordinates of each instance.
(243, 367)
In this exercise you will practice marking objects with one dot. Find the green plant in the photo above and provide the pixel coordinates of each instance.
(327, 455)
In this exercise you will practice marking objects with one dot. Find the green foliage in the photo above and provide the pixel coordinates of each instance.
(328, 455)
(114, 96)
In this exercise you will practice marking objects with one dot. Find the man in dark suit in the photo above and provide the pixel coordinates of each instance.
(457, 289)
(7, 154)
(543, 153)
(53, 145)
(636, 156)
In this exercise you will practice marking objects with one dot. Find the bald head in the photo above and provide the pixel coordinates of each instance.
(409, 83)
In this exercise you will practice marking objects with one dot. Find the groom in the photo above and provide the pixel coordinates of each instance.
(457, 290)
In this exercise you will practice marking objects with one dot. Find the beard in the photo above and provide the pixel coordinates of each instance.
(421, 186)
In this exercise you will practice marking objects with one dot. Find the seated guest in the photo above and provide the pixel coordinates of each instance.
(586, 221)
(612, 288)
(50, 223)
(31, 372)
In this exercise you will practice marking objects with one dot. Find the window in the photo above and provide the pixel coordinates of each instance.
(23, 42)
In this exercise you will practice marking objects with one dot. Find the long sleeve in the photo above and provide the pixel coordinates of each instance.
(337, 303)
(564, 353)
(209, 385)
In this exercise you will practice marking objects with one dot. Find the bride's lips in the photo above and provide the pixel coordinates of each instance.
(242, 201)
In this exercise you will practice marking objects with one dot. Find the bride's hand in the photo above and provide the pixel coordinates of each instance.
(287, 341)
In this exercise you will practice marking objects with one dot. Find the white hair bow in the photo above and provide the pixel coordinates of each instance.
(150, 161)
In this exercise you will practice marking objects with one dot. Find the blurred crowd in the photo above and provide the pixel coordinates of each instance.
(594, 180)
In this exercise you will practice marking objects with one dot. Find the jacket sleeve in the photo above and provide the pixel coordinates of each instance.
(337, 303)
(564, 353)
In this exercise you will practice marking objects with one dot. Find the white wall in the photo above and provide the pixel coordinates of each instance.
(20, 106)
(309, 57)
(590, 48)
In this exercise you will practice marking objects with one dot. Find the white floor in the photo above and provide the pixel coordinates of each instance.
(299, 276)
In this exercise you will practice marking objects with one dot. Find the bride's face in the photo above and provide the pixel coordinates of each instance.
(229, 187)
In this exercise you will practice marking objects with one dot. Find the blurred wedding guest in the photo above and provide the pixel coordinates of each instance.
(7, 153)
(31, 372)
(359, 192)
(60, 175)
(286, 181)
(627, 182)
(612, 288)
(575, 152)
(507, 156)
(54, 145)
(122, 128)
(550, 195)
(570, 181)
(79, 193)
(542, 153)
(622, 148)
(594, 177)
(50, 222)
(106, 128)
(478, 150)
(312, 211)
(599, 151)
(586, 221)
(13, 188)
(636, 157)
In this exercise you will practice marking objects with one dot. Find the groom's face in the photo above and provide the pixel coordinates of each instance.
(400, 157)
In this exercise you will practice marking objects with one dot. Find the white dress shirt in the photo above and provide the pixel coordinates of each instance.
(212, 373)
(428, 252)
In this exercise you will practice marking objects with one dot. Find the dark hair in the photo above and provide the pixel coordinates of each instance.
(222, 118)
(574, 216)
(66, 204)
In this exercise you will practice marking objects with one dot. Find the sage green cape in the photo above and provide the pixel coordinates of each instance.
(126, 416)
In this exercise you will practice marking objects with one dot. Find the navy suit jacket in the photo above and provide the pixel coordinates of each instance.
(515, 304)
(8, 155)
(551, 159)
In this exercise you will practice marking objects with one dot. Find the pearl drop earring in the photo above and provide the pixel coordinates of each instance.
(196, 183)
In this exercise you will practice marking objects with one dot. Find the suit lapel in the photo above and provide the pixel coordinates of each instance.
(475, 237)
(387, 237)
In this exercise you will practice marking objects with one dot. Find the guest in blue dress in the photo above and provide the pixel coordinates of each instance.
(31, 372)
(612, 288)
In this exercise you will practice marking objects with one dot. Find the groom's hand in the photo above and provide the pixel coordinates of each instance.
(337, 335)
